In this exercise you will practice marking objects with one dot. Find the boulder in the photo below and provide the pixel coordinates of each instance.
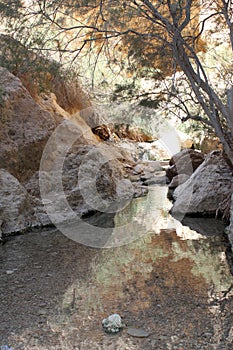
(16, 207)
(91, 178)
(184, 162)
(205, 192)
(178, 180)
(24, 127)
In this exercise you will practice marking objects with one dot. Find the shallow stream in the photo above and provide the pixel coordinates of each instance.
(158, 274)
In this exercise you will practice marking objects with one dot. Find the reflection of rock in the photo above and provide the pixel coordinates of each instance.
(207, 189)
(184, 162)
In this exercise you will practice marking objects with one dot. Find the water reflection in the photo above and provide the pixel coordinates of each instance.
(148, 214)
(165, 279)
(168, 280)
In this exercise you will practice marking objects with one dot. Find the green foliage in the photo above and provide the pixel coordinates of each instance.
(196, 129)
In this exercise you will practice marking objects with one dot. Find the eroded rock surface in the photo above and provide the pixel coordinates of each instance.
(16, 207)
(24, 127)
(208, 190)
(184, 162)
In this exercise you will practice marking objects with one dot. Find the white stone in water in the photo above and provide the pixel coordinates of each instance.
(112, 324)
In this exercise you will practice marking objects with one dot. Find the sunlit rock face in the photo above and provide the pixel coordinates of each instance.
(24, 127)
(208, 190)
(31, 131)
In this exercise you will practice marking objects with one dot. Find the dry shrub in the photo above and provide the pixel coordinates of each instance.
(38, 74)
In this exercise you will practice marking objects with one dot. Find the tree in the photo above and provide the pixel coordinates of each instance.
(162, 35)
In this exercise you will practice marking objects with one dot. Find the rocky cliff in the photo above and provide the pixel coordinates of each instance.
(42, 147)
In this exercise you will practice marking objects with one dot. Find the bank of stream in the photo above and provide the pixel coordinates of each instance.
(158, 274)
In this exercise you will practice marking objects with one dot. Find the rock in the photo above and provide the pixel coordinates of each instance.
(156, 179)
(139, 168)
(90, 182)
(124, 188)
(184, 162)
(5, 347)
(92, 117)
(113, 324)
(207, 189)
(152, 151)
(178, 180)
(151, 166)
(16, 207)
(138, 332)
(102, 131)
(24, 128)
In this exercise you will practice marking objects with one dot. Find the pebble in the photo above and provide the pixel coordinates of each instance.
(138, 332)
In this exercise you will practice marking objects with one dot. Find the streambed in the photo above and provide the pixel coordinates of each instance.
(158, 274)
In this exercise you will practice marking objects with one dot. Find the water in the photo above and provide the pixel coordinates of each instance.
(159, 275)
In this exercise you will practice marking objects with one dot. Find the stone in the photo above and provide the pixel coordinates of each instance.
(207, 189)
(138, 332)
(102, 131)
(153, 151)
(16, 207)
(178, 180)
(113, 324)
(5, 347)
(89, 182)
(184, 162)
(157, 179)
(152, 166)
(24, 128)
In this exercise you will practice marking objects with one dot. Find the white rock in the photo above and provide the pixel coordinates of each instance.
(112, 324)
